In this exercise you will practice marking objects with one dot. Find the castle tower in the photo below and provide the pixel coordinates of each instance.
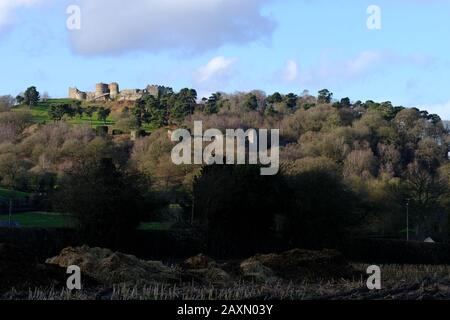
(113, 90)
(153, 90)
(101, 89)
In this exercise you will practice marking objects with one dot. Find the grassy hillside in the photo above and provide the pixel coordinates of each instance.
(40, 114)
(7, 194)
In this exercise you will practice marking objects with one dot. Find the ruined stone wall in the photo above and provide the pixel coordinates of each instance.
(76, 94)
(131, 95)
(90, 96)
(157, 91)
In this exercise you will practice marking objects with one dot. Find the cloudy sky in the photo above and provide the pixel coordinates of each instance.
(231, 45)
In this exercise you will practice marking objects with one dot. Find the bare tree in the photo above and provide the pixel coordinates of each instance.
(6, 103)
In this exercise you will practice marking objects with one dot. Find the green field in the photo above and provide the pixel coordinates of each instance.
(40, 114)
(54, 220)
(8, 194)
(39, 220)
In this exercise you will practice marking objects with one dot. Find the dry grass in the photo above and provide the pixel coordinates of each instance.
(392, 276)
(395, 274)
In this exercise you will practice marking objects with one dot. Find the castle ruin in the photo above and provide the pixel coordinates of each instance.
(109, 92)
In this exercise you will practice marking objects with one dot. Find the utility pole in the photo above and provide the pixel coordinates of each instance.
(407, 220)
(193, 211)
(10, 212)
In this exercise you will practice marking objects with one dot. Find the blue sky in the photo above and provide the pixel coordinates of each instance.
(232, 45)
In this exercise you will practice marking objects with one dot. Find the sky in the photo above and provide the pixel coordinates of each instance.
(382, 50)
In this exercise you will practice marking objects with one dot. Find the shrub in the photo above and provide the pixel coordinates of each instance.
(102, 130)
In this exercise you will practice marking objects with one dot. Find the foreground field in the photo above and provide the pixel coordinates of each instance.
(293, 275)
(421, 282)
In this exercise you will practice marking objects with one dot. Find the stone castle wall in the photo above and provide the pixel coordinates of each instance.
(76, 94)
(105, 92)
(131, 95)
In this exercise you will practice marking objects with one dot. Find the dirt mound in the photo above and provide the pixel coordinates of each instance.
(203, 269)
(208, 276)
(114, 267)
(20, 270)
(198, 262)
(298, 265)
(254, 270)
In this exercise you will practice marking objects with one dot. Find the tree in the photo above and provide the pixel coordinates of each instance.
(103, 114)
(213, 104)
(322, 210)
(89, 112)
(360, 163)
(106, 202)
(13, 171)
(236, 207)
(57, 111)
(149, 109)
(184, 105)
(20, 99)
(31, 97)
(152, 157)
(291, 101)
(275, 98)
(140, 112)
(325, 96)
(78, 109)
(424, 190)
(71, 110)
(16, 121)
(344, 103)
(126, 124)
(251, 102)
(6, 103)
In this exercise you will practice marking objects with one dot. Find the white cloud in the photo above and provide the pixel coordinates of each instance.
(364, 62)
(8, 7)
(194, 26)
(290, 71)
(217, 68)
(330, 70)
(360, 66)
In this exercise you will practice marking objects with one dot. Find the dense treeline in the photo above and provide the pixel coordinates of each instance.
(347, 167)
